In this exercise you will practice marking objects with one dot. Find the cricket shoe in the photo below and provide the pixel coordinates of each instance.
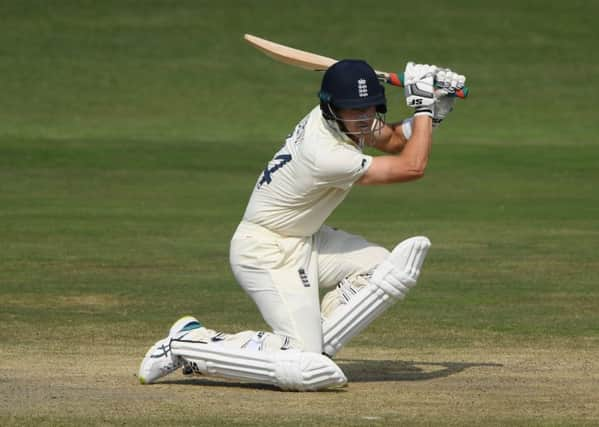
(159, 361)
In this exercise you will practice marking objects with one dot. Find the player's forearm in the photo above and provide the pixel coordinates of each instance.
(407, 166)
(417, 149)
(391, 138)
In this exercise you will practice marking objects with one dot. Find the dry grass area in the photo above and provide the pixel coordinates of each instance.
(553, 385)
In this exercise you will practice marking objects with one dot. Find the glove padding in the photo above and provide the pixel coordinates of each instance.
(446, 82)
(419, 81)
(442, 107)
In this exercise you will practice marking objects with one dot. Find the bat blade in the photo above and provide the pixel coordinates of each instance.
(289, 55)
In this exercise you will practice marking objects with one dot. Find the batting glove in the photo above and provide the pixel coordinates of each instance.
(419, 81)
(442, 107)
(447, 82)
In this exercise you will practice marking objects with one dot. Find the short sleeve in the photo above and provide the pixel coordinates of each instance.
(340, 167)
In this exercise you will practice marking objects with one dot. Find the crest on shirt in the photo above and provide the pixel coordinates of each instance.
(362, 88)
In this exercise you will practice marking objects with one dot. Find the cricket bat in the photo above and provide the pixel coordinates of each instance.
(314, 62)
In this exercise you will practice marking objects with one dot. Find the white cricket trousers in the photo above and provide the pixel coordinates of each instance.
(283, 274)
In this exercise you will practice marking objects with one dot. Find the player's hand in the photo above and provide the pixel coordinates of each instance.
(449, 80)
(446, 82)
(442, 107)
(419, 81)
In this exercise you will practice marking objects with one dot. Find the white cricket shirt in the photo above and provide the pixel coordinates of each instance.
(307, 178)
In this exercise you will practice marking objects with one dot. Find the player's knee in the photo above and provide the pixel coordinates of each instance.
(342, 293)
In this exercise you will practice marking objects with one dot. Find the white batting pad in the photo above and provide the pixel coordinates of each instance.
(390, 281)
(288, 369)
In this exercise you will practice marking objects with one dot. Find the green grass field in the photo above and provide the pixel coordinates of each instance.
(131, 134)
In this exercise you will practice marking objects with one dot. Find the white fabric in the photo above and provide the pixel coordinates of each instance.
(282, 275)
(306, 179)
(358, 306)
(288, 369)
(406, 127)
(281, 253)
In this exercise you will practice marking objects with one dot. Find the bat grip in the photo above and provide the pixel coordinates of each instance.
(397, 79)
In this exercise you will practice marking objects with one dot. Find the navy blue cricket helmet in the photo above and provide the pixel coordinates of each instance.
(351, 83)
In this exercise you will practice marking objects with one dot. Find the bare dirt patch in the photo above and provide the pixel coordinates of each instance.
(516, 385)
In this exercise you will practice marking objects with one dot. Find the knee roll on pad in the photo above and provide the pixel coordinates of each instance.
(400, 270)
(390, 281)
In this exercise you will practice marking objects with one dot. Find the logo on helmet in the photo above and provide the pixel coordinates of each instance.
(362, 88)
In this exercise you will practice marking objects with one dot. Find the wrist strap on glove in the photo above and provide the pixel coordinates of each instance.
(423, 111)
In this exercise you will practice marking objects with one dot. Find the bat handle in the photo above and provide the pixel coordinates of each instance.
(397, 79)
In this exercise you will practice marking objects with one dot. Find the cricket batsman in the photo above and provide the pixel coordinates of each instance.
(282, 252)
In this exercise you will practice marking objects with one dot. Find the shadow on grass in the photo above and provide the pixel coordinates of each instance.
(400, 370)
(358, 371)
